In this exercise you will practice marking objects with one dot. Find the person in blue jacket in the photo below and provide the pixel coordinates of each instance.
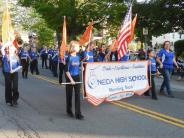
(44, 56)
(101, 55)
(88, 54)
(72, 76)
(55, 58)
(11, 64)
(62, 63)
(126, 57)
(24, 56)
(1, 56)
(166, 59)
(50, 53)
(152, 71)
(34, 61)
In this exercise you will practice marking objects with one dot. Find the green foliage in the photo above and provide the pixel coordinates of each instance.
(105, 14)
(45, 34)
(160, 16)
(179, 48)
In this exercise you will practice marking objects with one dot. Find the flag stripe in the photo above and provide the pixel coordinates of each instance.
(125, 34)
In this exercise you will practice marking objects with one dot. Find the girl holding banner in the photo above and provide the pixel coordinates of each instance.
(11, 65)
(73, 79)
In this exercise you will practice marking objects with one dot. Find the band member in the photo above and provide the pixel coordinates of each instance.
(44, 56)
(1, 56)
(10, 67)
(55, 62)
(153, 70)
(101, 55)
(24, 56)
(50, 52)
(34, 61)
(88, 54)
(72, 76)
(61, 67)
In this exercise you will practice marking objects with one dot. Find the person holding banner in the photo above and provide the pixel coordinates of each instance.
(166, 59)
(152, 71)
(73, 78)
(11, 65)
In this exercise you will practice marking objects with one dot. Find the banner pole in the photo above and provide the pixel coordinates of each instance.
(82, 71)
(150, 76)
(68, 83)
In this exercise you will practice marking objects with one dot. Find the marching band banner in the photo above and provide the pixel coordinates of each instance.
(114, 81)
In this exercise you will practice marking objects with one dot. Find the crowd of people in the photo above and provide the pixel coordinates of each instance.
(161, 62)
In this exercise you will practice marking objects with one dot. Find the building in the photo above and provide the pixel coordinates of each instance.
(172, 37)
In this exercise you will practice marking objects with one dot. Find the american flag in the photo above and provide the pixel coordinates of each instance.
(125, 34)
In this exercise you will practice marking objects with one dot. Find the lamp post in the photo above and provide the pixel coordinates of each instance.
(145, 34)
(181, 32)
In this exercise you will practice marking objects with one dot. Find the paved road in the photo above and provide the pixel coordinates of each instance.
(41, 114)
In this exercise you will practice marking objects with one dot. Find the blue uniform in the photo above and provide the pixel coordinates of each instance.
(55, 55)
(24, 54)
(101, 57)
(167, 61)
(55, 59)
(72, 65)
(34, 62)
(90, 56)
(167, 58)
(125, 58)
(34, 55)
(6, 64)
(50, 52)
(152, 66)
(44, 52)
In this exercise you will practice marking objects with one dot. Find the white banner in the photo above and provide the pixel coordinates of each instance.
(114, 80)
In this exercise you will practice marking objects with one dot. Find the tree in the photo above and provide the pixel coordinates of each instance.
(105, 14)
(179, 48)
(160, 16)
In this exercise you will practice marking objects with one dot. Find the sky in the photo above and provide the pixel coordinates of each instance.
(140, 0)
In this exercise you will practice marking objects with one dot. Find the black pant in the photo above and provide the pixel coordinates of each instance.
(11, 87)
(54, 68)
(69, 92)
(153, 89)
(1, 59)
(2, 64)
(61, 70)
(44, 61)
(34, 66)
(25, 66)
(50, 63)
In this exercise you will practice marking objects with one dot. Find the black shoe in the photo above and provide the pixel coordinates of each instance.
(70, 114)
(146, 94)
(161, 92)
(79, 117)
(154, 98)
(15, 103)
